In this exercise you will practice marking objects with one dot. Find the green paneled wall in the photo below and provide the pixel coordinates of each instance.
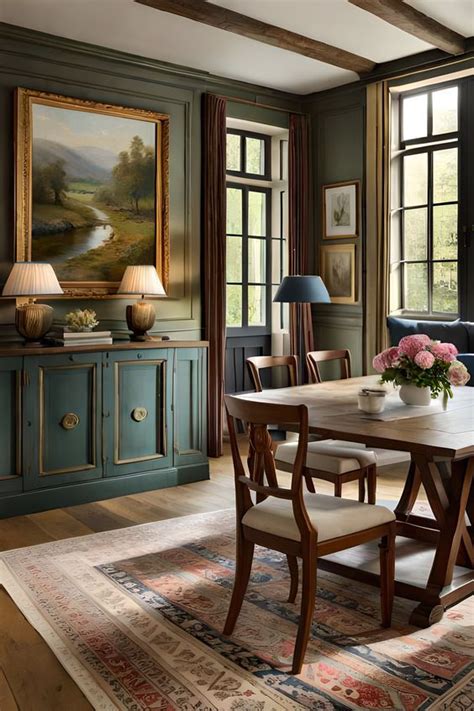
(338, 136)
(43, 62)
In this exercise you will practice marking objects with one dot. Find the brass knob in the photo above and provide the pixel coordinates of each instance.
(139, 414)
(69, 421)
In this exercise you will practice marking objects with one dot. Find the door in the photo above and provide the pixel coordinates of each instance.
(62, 419)
(137, 411)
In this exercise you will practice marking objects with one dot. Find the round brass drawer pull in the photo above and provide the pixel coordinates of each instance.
(70, 421)
(139, 414)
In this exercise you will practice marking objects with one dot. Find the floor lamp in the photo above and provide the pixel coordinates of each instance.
(299, 290)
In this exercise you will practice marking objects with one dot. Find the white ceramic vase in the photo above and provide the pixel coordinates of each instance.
(412, 395)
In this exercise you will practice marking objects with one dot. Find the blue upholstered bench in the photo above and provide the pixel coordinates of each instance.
(461, 333)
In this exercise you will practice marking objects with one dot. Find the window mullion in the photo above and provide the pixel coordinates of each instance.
(245, 257)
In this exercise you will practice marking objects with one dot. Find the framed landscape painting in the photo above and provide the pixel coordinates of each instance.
(91, 189)
(341, 210)
(338, 272)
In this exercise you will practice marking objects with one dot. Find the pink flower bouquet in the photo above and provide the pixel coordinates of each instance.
(417, 360)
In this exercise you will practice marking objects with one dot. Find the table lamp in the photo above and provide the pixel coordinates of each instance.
(32, 279)
(298, 289)
(141, 315)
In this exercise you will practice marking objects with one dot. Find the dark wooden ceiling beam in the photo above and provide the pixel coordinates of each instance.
(416, 23)
(239, 24)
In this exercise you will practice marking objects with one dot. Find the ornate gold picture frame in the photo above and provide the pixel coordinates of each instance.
(92, 194)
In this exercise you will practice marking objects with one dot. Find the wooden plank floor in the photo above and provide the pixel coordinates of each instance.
(31, 678)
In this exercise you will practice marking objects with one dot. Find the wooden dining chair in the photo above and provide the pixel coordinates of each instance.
(258, 363)
(313, 358)
(299, 525)
(336, 462)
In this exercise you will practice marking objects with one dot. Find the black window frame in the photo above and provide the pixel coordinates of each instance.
(267, 174)
(246, 329)
(429, 144)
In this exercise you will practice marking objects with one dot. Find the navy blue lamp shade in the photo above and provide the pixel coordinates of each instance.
(307, 289)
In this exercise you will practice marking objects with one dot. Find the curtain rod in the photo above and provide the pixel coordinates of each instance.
(260, 106)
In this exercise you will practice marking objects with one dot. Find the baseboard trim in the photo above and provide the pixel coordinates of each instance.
(29, 502)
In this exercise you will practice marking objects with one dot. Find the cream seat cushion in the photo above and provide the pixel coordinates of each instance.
(332, 517)
(327, 457)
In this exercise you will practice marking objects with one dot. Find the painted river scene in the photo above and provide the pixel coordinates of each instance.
(93, 192)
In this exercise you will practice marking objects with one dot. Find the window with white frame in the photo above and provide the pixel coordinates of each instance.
(257, 199)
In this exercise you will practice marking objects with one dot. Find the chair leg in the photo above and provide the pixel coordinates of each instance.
(338, 487)
(308, 596)
(362, 488)
(309, 483)
(387, 576)
(242, 574)
(371, 483)
(293, 567)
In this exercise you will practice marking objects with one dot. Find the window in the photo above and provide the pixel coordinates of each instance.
(248, 232)
(248, 154)
(426, 222)
(256, 230)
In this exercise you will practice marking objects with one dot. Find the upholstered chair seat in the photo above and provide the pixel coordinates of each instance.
(331, 516)
(328, 457)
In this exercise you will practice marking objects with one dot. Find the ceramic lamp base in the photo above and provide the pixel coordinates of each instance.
(33, 321)
(140, 318)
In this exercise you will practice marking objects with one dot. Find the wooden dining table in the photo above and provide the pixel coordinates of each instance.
(435, 548)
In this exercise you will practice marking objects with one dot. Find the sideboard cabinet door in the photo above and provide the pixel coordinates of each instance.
(62, 402)
(10, 427)
(137, 407)
(190, 401)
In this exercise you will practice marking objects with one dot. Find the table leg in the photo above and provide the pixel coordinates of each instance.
(448, 499)
(409, 494)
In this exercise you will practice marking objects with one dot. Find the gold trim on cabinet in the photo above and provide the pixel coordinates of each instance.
(19, 418)
(68, 470)
(162, 362)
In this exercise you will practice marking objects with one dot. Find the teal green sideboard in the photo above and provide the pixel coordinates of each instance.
(92, 423)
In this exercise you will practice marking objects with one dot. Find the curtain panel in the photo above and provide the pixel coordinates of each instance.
(214, 235)
(377, 244)
(299, 186)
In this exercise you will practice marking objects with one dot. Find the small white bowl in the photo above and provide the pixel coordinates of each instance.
(371, 402)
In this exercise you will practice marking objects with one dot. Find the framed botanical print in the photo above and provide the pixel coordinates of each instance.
(341, 210)
(339, 273)
(91, 189)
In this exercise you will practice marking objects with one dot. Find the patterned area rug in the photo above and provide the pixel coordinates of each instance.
(135, 616)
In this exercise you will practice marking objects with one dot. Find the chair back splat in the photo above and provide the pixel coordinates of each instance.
(313, 358)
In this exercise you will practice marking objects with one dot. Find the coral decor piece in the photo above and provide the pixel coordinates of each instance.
(81, 320)
(424, 363)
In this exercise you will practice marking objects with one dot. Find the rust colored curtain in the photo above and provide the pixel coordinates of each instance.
(214, 232)
(301, 323)
(377, 253)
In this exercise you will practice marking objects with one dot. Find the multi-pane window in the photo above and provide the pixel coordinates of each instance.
(429, 193)
(248, 246)
(248, 154)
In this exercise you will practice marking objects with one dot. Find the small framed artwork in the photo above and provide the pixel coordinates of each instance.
(339, 273)
(91, 189)
(341, 210)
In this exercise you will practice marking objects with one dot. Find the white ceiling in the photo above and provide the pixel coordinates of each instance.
(127, 26)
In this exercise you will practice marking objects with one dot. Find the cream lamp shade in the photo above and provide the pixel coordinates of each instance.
(141, 280)
(31, 279)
